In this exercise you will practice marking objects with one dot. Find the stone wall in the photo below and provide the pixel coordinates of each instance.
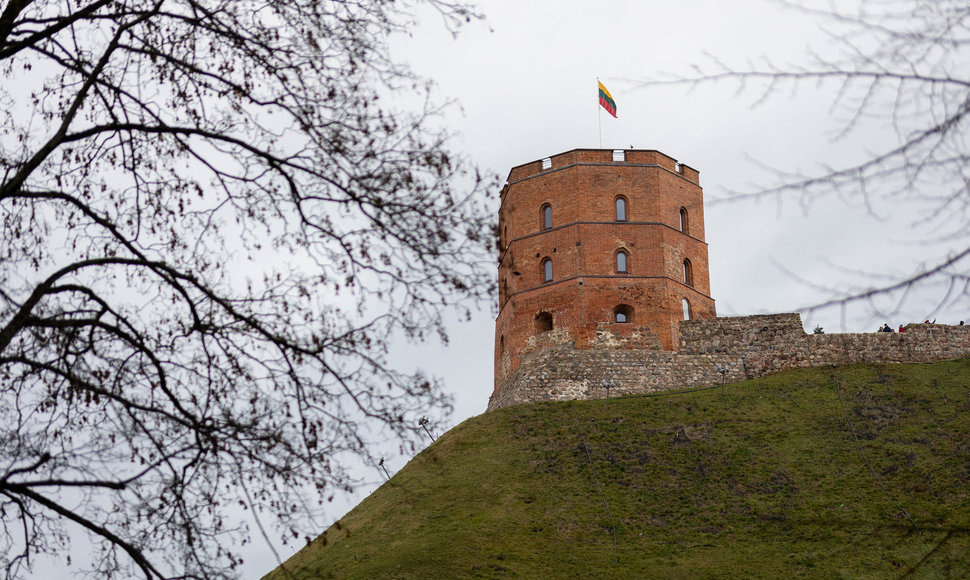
(732, 349)
(775, 342)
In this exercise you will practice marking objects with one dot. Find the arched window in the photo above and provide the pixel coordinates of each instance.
(546, 217)
(501, 344)
(543, 322)
(623, 314)
(688, 273)
(547, 270)
(683, 220)
(621, 209)
(686, 306)
(621, 260)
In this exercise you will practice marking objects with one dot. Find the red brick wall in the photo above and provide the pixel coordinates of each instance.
(581, 186)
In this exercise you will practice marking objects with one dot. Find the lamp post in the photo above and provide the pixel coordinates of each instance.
(607, 384)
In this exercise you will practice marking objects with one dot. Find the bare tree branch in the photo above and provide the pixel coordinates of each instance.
(215, 218)
(902, 64)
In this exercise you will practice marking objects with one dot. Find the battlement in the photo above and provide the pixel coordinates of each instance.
(561, 366)
(619, 157)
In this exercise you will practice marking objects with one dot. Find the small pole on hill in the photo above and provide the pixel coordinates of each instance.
(423, 421)
(381, 464)
(724, 371)
(608, 384)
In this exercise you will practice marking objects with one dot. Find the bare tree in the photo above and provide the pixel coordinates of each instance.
(214, 219)
(902, 64)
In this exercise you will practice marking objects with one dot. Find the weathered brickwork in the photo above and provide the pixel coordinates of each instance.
(730, 349)
(581, 242)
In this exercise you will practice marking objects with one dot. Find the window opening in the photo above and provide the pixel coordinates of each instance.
(543, 322)
(688, 273)
(547, 270)
(623, 314)
(621, 209)
(683, 219)
(621, 257)
(686, 306)
(546, 217)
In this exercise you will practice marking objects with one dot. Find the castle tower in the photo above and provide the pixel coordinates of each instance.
(595, 240)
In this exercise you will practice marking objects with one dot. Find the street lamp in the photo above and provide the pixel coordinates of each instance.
(607, 384)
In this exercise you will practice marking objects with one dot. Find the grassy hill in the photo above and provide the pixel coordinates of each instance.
(764, 480)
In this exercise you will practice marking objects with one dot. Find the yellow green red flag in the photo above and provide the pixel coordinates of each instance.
(606, 100)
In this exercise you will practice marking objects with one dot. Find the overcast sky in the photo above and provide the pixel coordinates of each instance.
(526, 83)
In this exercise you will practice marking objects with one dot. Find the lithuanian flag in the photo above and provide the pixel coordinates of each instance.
(606, 99)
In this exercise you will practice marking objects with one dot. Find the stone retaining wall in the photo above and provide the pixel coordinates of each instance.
(729, 349)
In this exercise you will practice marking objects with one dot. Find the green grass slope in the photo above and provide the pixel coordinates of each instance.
(764, 480)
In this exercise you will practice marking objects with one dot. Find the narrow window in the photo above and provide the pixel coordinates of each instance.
(623, 314)
(543, 322)
(621, 209)
(501, 344)
(686, 306)
(621, 257)
(547, 270)
(688, 273)
(683, 220)
(546, 217)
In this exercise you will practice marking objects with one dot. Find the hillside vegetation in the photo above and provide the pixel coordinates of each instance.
(766, 479)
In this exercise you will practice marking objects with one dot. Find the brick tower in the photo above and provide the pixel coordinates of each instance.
(595, 240)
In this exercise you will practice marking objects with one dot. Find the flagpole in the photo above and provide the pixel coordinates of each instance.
(599, 114)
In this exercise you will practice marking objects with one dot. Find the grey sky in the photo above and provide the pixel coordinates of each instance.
(526, 82)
